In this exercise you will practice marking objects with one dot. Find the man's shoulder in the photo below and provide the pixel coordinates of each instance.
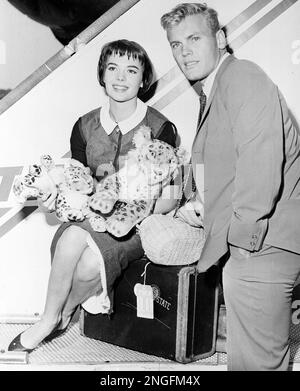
(242, 68)
(241, 74)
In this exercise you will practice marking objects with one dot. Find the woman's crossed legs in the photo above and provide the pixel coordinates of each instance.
(74, 277)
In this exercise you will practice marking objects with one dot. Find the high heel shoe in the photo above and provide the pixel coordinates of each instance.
(16, 346)
(57, 331)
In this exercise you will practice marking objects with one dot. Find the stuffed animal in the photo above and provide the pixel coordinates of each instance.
(70, 186)
(41, 180)
(121, 200)
(128, 196)
(73, 192)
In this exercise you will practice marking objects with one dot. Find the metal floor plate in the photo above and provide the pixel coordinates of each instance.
(73, 348)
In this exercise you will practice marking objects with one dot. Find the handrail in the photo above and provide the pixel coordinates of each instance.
(64, 54)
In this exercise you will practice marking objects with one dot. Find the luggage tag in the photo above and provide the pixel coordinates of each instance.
(144, 298)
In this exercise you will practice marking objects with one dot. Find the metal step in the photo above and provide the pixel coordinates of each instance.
(73, 348)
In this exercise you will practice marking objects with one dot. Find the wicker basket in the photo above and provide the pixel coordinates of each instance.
(170, 241)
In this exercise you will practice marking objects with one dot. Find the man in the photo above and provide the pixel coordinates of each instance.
(251, 156)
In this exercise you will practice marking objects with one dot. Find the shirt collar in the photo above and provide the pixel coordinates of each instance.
(209, 81)
(126, 125)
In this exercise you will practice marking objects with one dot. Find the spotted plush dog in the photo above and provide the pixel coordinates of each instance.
(40, 181)
(70, 186)
(129, 195)
(73, 193)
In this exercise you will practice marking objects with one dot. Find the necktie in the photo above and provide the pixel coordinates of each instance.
(202, 99)
(188, 182)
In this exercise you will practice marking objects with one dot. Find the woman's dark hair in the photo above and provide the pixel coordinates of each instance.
(132, 49)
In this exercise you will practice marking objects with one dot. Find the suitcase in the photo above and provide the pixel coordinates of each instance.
(185, 304)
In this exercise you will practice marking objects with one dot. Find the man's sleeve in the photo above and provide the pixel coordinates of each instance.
(258, 136)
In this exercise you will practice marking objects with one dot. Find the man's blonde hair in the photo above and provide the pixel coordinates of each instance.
(181, 11)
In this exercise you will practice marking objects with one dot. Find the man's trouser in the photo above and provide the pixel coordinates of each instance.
(258, 293)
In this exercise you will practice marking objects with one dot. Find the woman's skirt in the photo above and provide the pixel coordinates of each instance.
(116, 254)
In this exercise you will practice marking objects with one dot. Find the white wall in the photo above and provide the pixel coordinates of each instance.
(41, 122)
(24, 45)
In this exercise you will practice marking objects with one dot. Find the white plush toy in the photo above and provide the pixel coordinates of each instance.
(121, 200)
(128, 196)
(70, 186)
(42, 180)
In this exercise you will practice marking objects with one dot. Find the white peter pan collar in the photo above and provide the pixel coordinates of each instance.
(126, 125)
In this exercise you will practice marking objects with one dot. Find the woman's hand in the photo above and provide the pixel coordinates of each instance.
(168, 199)
(47, 201)
(191, 213)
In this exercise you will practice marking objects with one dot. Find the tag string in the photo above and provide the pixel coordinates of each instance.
(144, 272)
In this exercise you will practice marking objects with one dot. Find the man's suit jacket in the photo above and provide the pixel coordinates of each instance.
(251, 155)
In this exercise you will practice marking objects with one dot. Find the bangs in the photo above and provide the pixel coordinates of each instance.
(129, 52)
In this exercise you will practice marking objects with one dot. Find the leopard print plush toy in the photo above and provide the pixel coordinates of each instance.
(128, 196)
(42, 180)
(121, 200)
(70, 186)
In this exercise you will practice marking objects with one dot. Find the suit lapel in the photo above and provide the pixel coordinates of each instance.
(223, 66)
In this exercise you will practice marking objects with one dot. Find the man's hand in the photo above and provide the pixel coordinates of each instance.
(243, 252)
(238, 251)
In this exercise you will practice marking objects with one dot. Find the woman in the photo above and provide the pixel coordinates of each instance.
(100, 139)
